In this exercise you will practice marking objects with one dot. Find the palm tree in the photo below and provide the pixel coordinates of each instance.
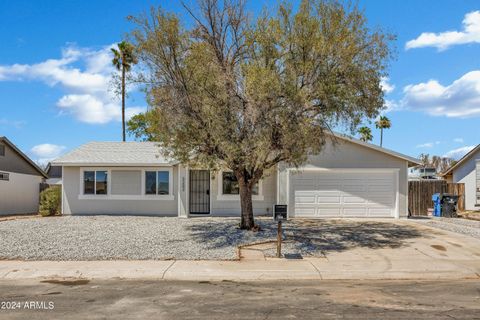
(123, 59)
(365, 134)
(382, 123)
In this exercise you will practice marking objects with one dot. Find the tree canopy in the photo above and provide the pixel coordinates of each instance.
(248, 93)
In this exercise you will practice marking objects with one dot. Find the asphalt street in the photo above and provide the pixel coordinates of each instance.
(126, 299)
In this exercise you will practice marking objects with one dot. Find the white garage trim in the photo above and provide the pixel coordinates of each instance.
(395, 171)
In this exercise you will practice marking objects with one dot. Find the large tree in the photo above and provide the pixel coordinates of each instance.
(229, 91)
(365, 134)
(123, 60)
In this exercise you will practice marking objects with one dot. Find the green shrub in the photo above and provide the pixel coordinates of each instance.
(50, 201)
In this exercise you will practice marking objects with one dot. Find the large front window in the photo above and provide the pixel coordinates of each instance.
(157, 182)
(230, 184)
(95, 182)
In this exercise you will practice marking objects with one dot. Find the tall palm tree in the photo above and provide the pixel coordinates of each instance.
(382, 123)
(123, 59)
(365, 134)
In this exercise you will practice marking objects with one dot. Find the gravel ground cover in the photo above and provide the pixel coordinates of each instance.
(160, 238)
(458, 225)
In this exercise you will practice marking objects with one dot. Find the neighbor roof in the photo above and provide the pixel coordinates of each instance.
(23, 155)
(411, 161)
(114, 154)
(462, 160)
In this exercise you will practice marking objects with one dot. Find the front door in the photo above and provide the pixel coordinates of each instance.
(199, 192)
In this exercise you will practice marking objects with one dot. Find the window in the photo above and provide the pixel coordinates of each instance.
(230, 184)
(2, 150)
(95, 182)
(157, 182)
(4, 176)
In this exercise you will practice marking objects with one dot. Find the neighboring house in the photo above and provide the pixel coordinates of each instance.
(54, 174)
(20, 180)
(423, 173)
(348, 179)
(467, 171)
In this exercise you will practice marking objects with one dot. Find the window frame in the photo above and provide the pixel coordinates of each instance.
(3, 175)
(142, 196)
(94, 194)
(3, 150)
(170, 182)
(236, 197)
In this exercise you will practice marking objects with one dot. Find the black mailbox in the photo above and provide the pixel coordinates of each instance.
(280, 212)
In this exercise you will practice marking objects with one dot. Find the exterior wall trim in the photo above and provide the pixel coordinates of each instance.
(236, 197)
(142, 195)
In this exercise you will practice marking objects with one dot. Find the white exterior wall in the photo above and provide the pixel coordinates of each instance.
(75, 203)
(466, 173)
(229, 205)
(20, 194)
(348, 155)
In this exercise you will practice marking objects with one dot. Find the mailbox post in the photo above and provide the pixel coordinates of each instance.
(279, 215)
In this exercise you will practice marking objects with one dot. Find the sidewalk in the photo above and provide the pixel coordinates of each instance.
(359, 264)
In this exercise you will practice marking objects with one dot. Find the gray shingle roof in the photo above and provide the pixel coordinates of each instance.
(115, 153)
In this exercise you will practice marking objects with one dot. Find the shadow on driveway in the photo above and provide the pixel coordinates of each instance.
(310, 237)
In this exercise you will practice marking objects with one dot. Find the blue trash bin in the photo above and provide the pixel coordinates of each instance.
(437, 206)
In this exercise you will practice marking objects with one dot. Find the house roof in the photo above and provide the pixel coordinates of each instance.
(462, 160)
(148, 153)
(23, 155)
(411, 161)
(114, 154)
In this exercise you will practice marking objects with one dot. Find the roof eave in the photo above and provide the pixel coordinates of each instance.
(24, 156)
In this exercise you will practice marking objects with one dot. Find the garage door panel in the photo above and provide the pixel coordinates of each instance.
(354, 211)
(323, 199)
(328, 212)
(353, 194)
(354, 199)
(381, 212)
(305, 212)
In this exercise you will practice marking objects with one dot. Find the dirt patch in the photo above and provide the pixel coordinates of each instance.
(438, 247)
(64, 282)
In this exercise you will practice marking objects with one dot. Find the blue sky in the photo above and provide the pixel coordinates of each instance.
(55, 69)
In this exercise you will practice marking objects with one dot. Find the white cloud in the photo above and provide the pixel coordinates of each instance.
(458, 153)
(444, 40)
(387, 87)
(459, 99)
(425, 145)
(459, 140)
(13, 123)
(47, 150)
(84, 74)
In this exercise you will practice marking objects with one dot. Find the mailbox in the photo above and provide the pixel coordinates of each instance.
(280, 212)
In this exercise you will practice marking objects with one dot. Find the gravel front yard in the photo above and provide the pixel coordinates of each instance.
(458, 225)
(160, 238)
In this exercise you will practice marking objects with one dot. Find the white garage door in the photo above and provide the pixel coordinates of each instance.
(343, 194)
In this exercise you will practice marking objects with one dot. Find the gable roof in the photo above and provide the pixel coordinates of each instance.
(462, 160)
(411, 161)
(134, 153)
(114, 154)
(23, 155)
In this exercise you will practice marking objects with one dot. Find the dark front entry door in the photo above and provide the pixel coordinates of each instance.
(199, 192)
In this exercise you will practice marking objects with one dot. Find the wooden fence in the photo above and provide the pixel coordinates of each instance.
(420, 195)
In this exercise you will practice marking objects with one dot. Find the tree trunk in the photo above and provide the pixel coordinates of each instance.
(381, 137)
(123, 104)
(247, 222)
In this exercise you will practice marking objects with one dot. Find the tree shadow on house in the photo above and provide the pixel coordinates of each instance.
(309, 237)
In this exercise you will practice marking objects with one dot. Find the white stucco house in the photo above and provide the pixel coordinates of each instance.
(349, 178)
(20, 180)
(467, 171)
